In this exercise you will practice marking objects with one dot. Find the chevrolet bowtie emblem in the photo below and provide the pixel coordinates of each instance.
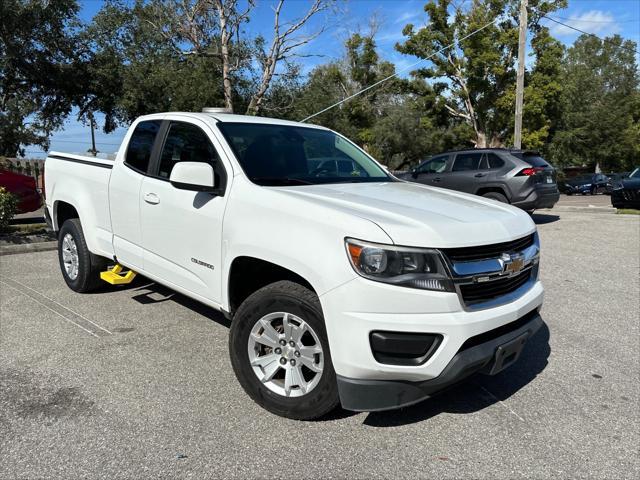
(512, 263)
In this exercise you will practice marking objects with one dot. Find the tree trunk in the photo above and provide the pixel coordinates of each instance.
(226, 69)
(481, 139)
(267, 76)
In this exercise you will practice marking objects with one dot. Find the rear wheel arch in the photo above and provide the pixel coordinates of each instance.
(495, 189)
(249, 274)
(63, 211)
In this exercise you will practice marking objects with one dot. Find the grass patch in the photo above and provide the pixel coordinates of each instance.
(628, 211)
(26, 229)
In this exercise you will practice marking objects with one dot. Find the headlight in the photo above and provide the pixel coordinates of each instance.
(402, 266)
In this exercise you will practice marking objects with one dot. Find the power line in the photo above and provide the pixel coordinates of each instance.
(591, 34)
(401, 71)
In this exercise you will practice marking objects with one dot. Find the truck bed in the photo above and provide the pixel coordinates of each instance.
(82, 181)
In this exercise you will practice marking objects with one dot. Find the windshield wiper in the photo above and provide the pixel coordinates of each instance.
(280, 181)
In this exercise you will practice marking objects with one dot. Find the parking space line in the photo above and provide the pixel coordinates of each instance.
(502, 403)
(67, 314)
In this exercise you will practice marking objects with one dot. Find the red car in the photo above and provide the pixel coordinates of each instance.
(24, 188)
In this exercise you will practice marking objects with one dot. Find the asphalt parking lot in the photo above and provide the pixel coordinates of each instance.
(136, 382)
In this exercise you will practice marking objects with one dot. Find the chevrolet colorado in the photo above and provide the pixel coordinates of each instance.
(344, 284)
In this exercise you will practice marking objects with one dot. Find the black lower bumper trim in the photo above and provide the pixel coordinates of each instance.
(538, 200)
(375, 395)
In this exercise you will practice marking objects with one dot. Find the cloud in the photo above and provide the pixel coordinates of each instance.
(409, 15)
(390, 37)
(593, 21)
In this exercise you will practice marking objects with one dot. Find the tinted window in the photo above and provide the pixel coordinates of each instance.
(185, 143)
(494, 161)
(467, 161)
(532, 159)
(140, 145)
(276, 155)
(435, 165)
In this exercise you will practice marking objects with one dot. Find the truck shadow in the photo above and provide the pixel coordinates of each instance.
(472, 395)
(150, 293)
(477, 392)
(542, 218)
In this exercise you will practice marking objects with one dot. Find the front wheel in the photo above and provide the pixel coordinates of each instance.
(80, 268)
(280, 352)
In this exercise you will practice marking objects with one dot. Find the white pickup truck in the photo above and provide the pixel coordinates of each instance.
(343, 283)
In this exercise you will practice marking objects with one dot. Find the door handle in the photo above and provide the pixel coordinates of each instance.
(479, 174)
(437, 179)
(151, 198)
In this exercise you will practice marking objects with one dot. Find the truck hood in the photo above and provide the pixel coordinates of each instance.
(421, 216)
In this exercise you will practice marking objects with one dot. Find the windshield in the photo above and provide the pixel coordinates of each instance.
(635, 173)
(277, 155)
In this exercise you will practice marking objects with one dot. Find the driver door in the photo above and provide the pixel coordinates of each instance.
(431, 172)
(182, 229)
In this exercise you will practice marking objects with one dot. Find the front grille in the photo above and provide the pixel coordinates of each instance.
(485, 291)
(481, 252)
(631, 195)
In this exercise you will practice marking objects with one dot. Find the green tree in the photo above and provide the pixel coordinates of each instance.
(399, 122)
(137, 70)
(335, 81)
(479, 72)
(600, 103)
(39, 65)
(542, 93)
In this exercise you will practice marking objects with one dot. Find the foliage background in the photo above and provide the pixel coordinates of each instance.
(582, 103)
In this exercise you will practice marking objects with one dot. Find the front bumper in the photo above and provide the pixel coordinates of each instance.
(625, 198)
(500, 350)
(355, 309)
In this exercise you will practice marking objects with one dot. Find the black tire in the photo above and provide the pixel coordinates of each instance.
(89, 265)
(283, 296)
(496, 196)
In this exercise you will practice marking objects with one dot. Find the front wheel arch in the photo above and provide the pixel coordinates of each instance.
(249, 274)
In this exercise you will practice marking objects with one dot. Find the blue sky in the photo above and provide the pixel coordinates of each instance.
(601, 17)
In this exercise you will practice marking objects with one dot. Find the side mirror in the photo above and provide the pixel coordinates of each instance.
(195, 176)
(414, 172)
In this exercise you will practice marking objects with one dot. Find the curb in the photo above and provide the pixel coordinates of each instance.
(598, 210)
(28, 248)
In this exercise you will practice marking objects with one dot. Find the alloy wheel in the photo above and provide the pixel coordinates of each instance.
(286, 354)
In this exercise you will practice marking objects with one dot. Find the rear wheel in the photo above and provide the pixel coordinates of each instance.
(280, 353)
(496, 196)
(80, 268)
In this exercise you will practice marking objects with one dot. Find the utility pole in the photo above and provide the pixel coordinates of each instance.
(93, 150)
(522, 45)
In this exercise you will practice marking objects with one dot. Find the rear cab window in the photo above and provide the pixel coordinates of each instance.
(140, 145)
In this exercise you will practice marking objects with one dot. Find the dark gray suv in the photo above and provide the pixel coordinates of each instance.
(519, 177)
